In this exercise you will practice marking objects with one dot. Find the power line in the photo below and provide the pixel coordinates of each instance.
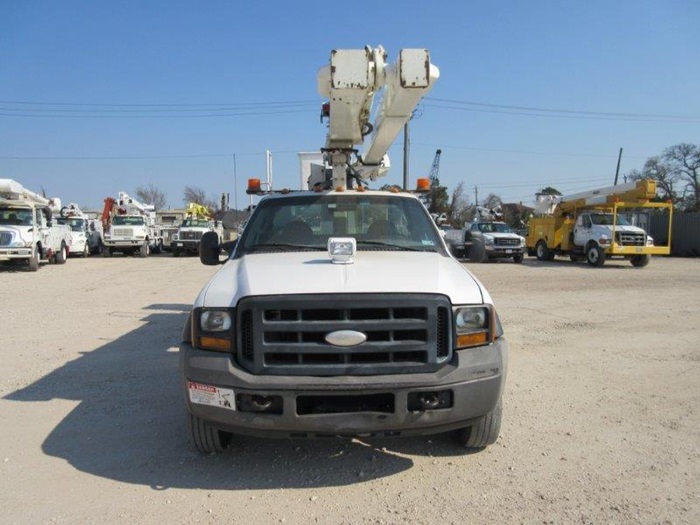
(146, 157)
(571, 113)
(541, 153)
(239, 114)
(175, 105)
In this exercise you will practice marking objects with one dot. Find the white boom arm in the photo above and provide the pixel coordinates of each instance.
(350, 82)
(130, 204)
(11, 189)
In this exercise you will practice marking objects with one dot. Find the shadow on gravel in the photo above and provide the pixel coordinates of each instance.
(130, 425)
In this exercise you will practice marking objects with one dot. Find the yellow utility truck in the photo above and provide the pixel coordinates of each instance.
(598, 224)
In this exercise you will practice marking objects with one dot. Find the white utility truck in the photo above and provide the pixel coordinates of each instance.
(486, 238)
(197, 222)
(593, 225)
(81, 234)
(339, 311)
(129, 227)
(28, 232)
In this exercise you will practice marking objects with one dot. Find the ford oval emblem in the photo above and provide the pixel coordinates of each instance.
(345, 338)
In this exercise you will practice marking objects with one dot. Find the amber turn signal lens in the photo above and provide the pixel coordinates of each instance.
(214, 343)
(478, 338)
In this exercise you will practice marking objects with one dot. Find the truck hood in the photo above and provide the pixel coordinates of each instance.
(16, 233)
(619, 228)
(313, 273)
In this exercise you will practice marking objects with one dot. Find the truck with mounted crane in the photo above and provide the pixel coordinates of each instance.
(86, 239)
(593, 225)
(197, 222)
(129, 226)
(339, 311)
(28, 232)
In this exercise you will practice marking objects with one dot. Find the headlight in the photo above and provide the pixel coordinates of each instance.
(215, 321)
(488, 239)
(522, 241)
(20, 244)
(213, 330)
(475, 326)
(650, 240)
(175, 237)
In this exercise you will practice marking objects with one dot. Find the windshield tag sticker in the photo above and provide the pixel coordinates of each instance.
(427, 243)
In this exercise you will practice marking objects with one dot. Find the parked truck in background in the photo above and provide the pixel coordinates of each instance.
(594, 225)
(339, 311)
(83, 237)
(197, 222)
(28, 231)
(485, 239)
(129, 227)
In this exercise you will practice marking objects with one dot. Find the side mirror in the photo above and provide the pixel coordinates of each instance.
(209, 249)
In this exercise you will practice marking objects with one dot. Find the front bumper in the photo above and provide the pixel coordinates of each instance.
(123, 243)
(475, 379)
(185, 246)
(11, 254)
(504, 251)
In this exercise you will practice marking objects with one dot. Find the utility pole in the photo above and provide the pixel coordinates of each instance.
(476, 196)
(235, 185)
(617, 171)
(406, 148)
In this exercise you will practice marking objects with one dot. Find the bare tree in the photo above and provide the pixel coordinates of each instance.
(492, 201)
(151, 195)
(684, 161)
(198, 195)
(656, 169)
(458, 208)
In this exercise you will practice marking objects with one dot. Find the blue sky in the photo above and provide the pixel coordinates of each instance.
(84, 86)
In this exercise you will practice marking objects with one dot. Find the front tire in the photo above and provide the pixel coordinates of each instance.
(517, 259)
(206, 438)
(640, 261)
(542, 252)
(477, 253)
(145, 250)
(595, 256)
(34, 260)
(484, 432)
(106, 251)
(61, 256)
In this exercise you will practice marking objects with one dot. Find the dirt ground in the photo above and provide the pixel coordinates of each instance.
(601, 411)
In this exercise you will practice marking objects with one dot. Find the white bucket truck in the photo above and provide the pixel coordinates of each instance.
(82, 235)
(129, 227)
(28, 232)
(339, 311)
(197, 222)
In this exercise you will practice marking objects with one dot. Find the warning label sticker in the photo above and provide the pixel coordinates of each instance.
(211, 395)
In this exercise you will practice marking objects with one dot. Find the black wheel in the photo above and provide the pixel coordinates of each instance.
(640, 261)
(484, 432)
(477, 253)
(542, 252)
(595, 256)
(106, 251)
(86, 250)
(518, 258)
(145, 250)
(61, 255)
(34, 260)
(206, 438)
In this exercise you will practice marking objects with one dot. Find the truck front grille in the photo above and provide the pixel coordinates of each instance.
(5, 238)
(190, 236)
(122, 232)
(498, 241)
(406, 333)
(630, 238)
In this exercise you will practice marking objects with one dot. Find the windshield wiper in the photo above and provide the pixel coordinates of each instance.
(396, 246)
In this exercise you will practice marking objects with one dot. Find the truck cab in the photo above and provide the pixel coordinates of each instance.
(190, 232)
(341, 314)
(79, 234)
(28, 232)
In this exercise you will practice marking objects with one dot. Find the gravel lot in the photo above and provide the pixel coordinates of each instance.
(601, 413)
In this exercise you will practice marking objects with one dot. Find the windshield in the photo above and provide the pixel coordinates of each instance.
(499, 227)
(16, 216)
(76, 225)
(607, 219)
(121, 220)
(305, 222)
(195, 223)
